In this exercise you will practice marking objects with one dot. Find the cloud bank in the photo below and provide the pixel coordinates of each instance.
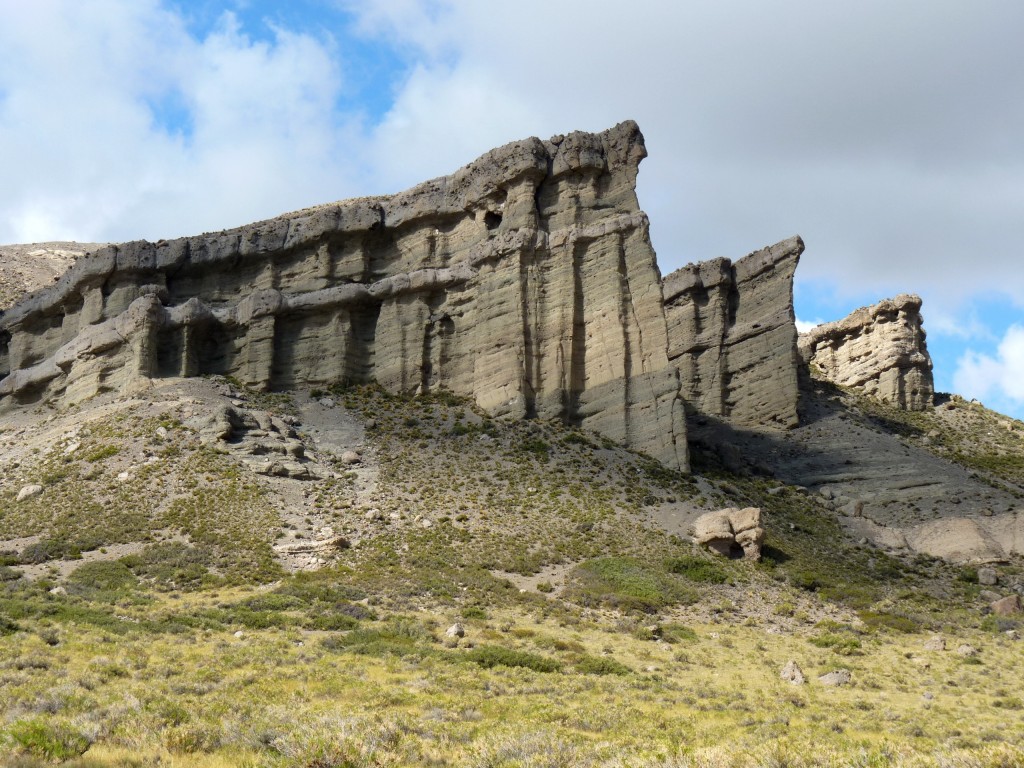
(886, 134)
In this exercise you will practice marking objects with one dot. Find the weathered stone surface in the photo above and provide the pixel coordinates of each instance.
(791, 673)
(526, 281)
(879, 349)
(28, 491)
(732, 335)
(731, 532)
(1007, 606)
(835, 678)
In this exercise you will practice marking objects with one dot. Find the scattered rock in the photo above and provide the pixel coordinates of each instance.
(731, 532)
(966, 650)
(351, 457)
(792, 673)
(988, 577)
(239, 635)
(935, 643)
(28, 491)
(1007, 606)
(161, 432)
(455, 630)
(327, 402)
(836, 678)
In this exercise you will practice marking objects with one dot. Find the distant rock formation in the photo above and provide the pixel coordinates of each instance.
(879, 349)
(25, 268)
(732, 335)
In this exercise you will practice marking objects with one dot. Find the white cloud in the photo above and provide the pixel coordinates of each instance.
(86, 158)
(803, 326)
(1000, 376)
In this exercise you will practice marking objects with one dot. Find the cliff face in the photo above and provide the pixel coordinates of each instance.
(879, 349)
(732, 335)
(526, 280)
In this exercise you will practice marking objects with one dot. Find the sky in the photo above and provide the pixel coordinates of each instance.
(888, 135)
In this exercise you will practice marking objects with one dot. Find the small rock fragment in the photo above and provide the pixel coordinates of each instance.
(836, 678)
(28, 491)
(792, 673)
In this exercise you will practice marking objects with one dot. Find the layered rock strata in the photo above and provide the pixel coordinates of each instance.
(880, 350)
(732, 335)
(526, 281)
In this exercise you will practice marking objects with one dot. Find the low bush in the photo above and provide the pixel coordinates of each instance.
(599, 665)
(628, 584)
(489, 656)
(50, 740)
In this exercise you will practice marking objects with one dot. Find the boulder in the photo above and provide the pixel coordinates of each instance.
(988, 577)
(791, 673)
(1007, 606)
(731, 532)
(835, 678)
(28, 491)
(935, 643)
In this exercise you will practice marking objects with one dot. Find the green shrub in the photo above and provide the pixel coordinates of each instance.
(599, 665)
(101, 576)
(53, 741)
(677, 633)
(697, 569)
(489, 656)
(628, 584)
(8, 574)
(895, 621)
(398, 636)
(843, 643)
(101, 452)
(171, 565)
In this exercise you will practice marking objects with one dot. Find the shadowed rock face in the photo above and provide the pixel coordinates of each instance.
(879, 349)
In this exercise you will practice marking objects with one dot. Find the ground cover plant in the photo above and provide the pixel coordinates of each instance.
(511, 595)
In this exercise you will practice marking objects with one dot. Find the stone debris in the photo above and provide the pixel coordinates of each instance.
(731, 532)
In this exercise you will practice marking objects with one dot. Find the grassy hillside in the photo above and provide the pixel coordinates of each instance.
(146, 620)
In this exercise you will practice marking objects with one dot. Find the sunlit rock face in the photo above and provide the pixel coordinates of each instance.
(880, 350)
(526, 281)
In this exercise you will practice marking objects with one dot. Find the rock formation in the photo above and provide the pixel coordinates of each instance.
(526, 280)
(731, 532)
(732, 335)
(879, 349)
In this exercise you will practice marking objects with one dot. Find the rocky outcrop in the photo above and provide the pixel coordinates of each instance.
(525, 281)
(732, 335)
(731, 532)
(880, 350)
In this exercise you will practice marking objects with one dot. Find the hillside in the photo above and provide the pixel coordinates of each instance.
(154, 598)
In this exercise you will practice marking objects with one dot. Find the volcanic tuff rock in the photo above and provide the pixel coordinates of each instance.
(879, 349)
(732, 335)
(526, 281)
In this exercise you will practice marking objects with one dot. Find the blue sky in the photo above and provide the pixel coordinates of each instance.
(886, 134)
